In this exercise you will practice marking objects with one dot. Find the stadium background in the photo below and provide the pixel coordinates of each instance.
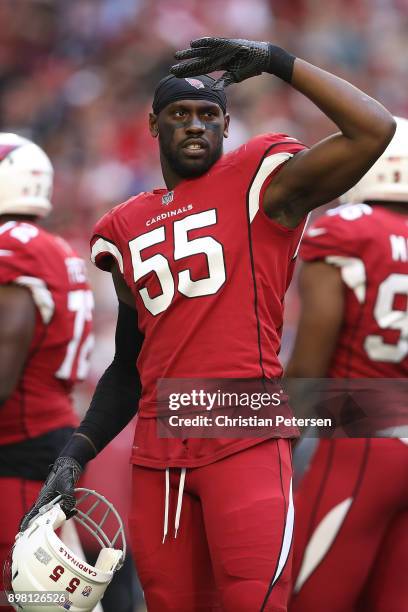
(77, 77)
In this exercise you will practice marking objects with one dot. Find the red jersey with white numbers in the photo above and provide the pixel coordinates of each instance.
(58, 355)
(355, 489)
(370, 246)
(209, 271)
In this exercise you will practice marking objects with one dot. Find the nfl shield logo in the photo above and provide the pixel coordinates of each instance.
(196, 83)
(42, 556)
(87, 591)
(168, 198)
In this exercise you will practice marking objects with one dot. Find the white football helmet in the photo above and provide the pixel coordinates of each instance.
(26, 177)
(42, 564)
(387, 179)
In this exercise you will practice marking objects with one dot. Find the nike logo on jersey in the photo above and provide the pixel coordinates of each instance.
(316, 231)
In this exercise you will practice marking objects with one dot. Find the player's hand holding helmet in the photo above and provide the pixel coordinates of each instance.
(49, 568)
(61, 481)
(240, 58)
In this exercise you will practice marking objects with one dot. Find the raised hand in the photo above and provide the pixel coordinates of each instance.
(240, 58)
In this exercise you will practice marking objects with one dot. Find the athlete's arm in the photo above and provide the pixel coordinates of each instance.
(113, 405)
(115, 400)
(332, 166)
(122, 290)
(322, 310)
(17, 316)
(117, 393)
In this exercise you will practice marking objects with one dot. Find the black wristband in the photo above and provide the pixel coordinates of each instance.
(280, 63)
(80, 448)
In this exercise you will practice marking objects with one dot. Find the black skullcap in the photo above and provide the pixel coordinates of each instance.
(170, 89)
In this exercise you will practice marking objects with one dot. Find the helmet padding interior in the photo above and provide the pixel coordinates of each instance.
(108, 559)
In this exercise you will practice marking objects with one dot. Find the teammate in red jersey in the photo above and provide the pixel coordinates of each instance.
(201, 268)
(351, 537)
(45, 313)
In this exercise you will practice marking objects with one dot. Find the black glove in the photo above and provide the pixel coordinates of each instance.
(61, 481)
(240, 58)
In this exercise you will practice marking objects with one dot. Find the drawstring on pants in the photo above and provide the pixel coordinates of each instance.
(167, 503)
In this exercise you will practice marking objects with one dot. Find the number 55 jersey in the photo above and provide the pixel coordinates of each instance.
(208, 270)
(55, 276)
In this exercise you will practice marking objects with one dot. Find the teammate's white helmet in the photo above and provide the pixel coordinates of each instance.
(26, 176)
(42, 564)
(387, 179)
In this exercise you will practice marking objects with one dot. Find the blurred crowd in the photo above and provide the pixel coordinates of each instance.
(77, 77)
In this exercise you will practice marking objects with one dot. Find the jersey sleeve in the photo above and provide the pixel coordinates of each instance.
(258, 161)
(337, 238)
(336, 233)
(18, 251)
(260, 158)
(19, 265)
(106, 242)
(13, 262)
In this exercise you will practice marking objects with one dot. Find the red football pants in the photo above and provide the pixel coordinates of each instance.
(232, 550)
(351, 536)
(16, 498)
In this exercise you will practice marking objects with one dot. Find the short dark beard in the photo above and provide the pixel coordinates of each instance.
(184, 170)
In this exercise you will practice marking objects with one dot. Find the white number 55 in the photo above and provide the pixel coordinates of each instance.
(183, 247)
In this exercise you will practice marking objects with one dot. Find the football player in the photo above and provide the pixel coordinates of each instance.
(45, 332)
(201, 268)
(351, 537)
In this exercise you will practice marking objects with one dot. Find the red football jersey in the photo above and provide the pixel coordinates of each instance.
(58, 355)
(370, 246)
(353, 496)
(208, 269)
